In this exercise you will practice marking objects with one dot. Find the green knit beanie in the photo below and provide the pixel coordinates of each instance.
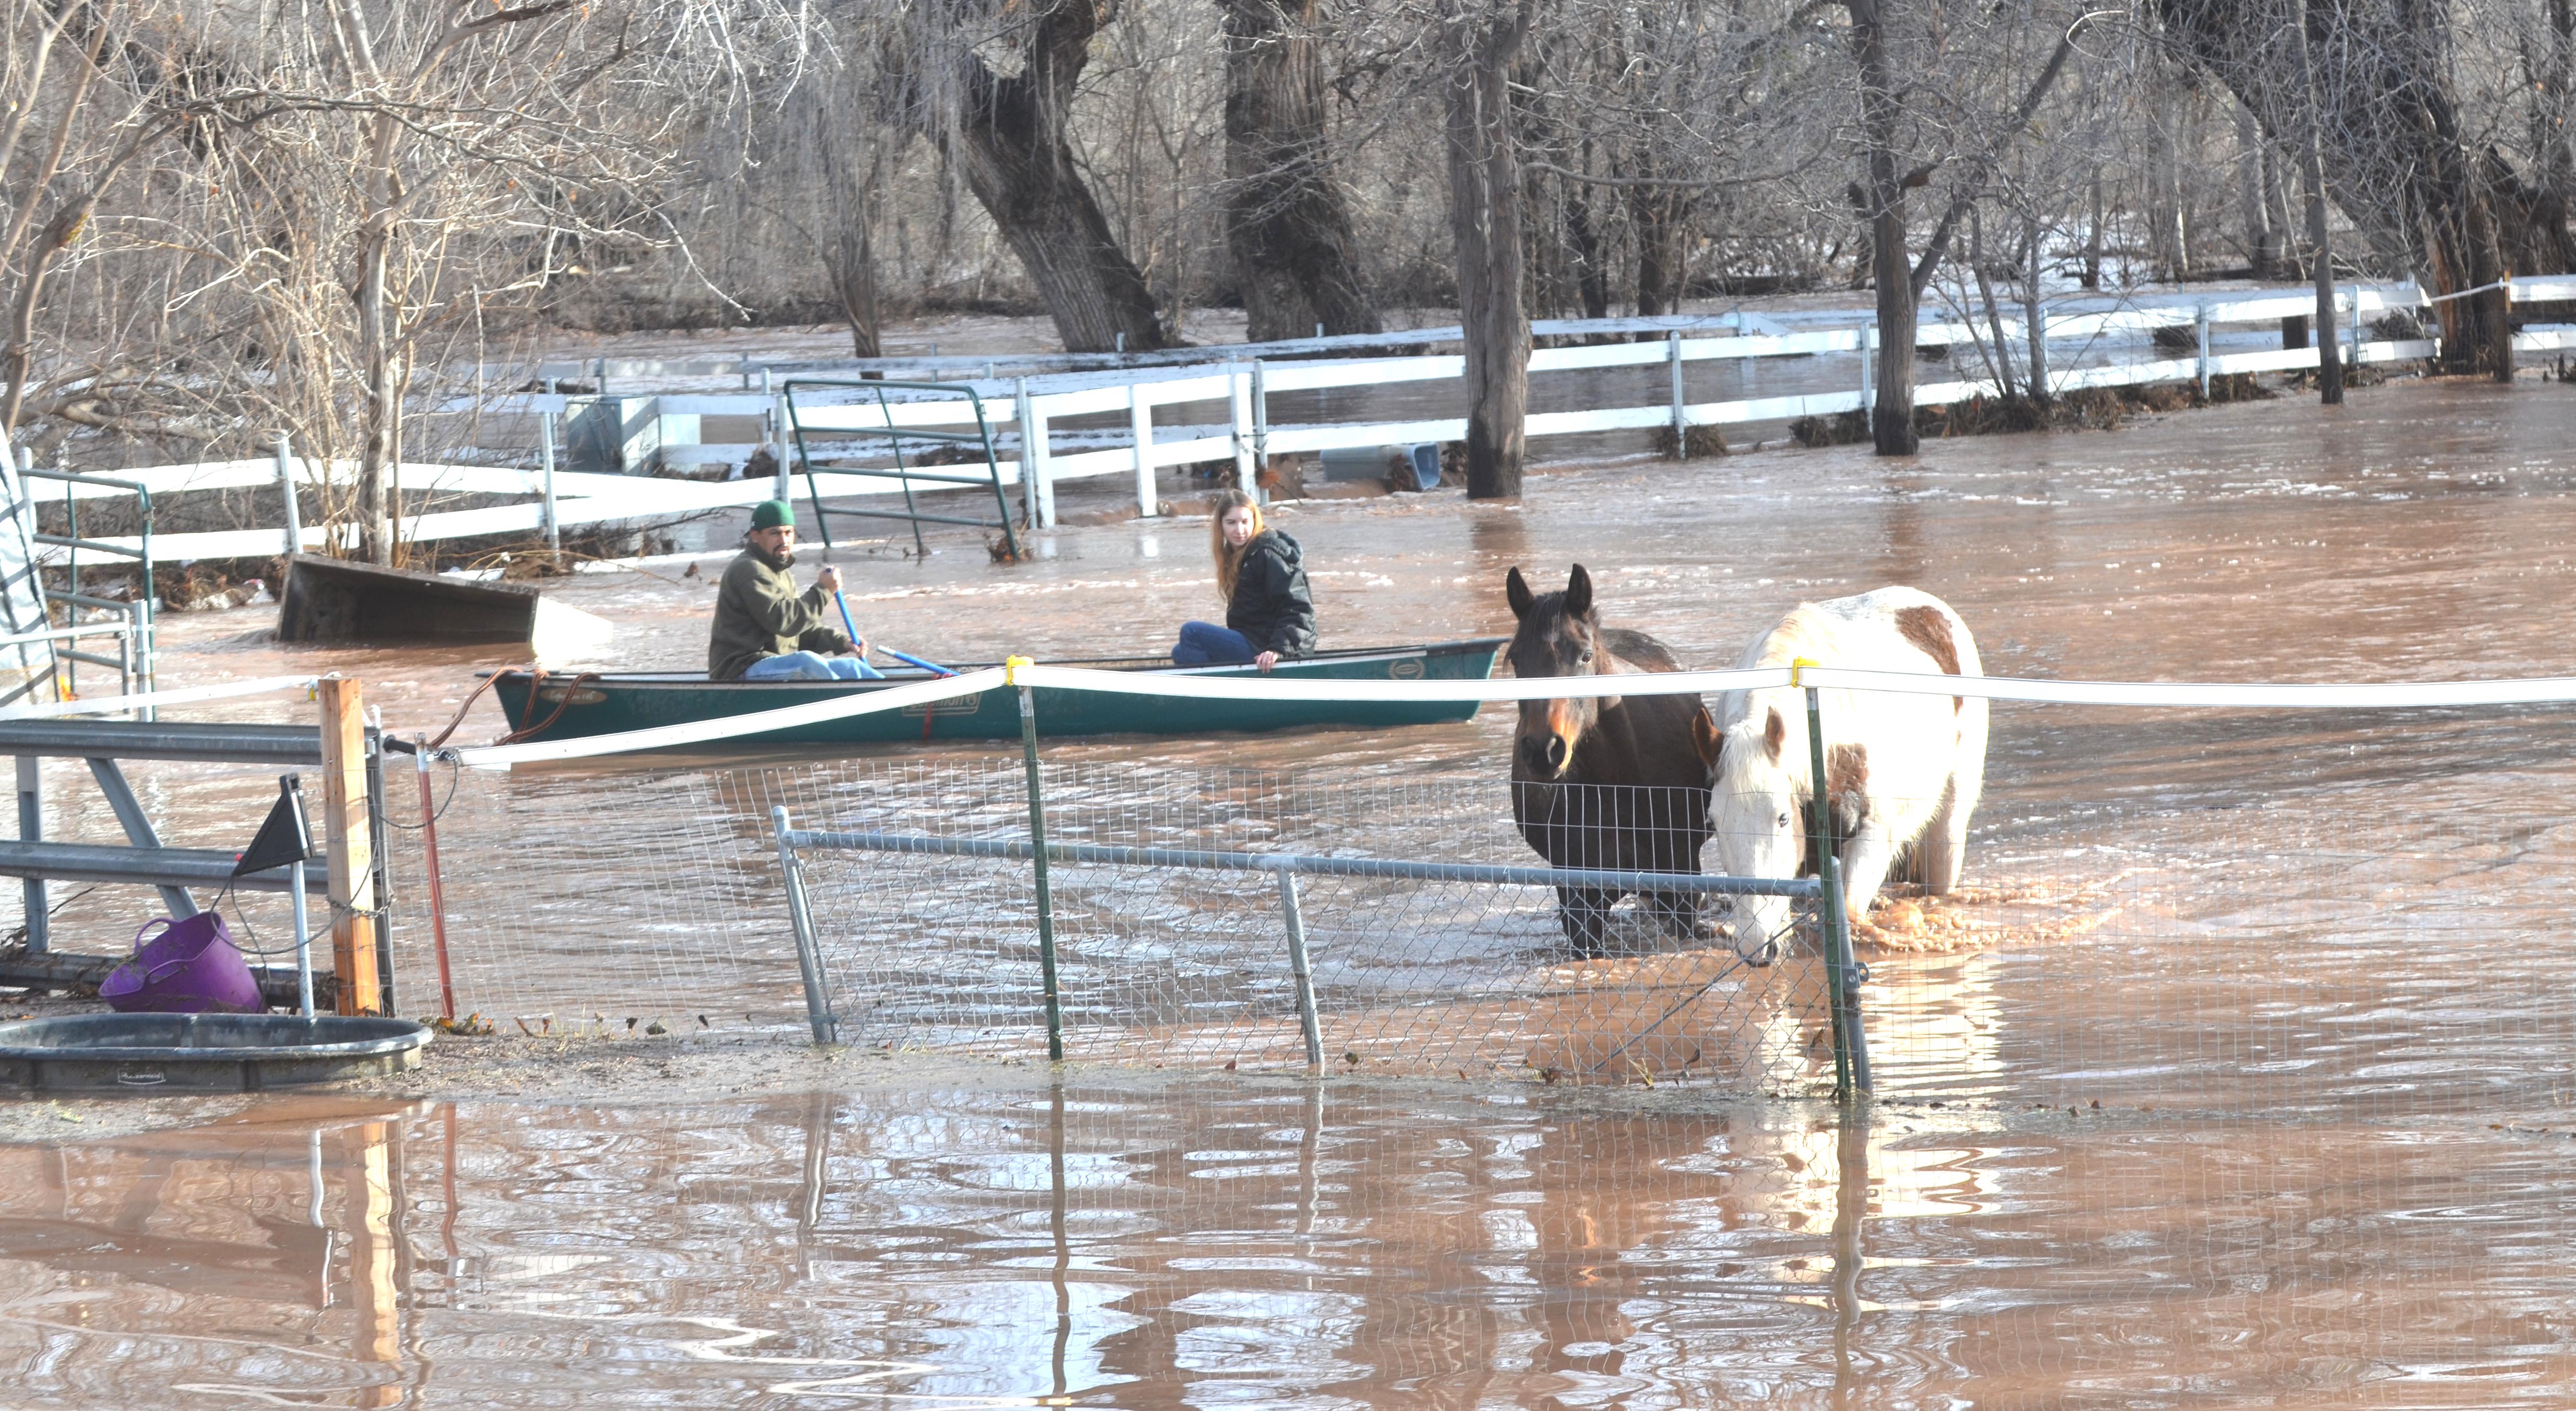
(773, 514)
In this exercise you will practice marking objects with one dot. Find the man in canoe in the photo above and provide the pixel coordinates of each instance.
(767, 631)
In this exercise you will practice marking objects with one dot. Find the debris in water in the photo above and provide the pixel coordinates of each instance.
(655, 1028)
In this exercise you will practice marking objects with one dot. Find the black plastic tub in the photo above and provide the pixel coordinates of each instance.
(201, 1052)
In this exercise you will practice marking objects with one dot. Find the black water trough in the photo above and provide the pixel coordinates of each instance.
(201, 1052)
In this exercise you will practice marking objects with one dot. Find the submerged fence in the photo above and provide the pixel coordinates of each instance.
(1134, 421)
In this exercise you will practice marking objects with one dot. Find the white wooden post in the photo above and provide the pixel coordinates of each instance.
(1681, 414)
(286, 487)
(1239, 395)
(1140, 423)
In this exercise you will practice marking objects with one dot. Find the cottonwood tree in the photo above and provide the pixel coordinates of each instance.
(1287, 219)
(992, 84)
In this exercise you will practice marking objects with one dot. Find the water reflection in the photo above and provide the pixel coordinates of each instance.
(1173, 1246)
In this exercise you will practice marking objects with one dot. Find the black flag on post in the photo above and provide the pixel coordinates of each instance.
(283, 838)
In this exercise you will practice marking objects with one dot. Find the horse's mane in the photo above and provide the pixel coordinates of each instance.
(1638, 649)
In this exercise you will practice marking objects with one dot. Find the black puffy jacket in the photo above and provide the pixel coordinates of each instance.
(1271, 604)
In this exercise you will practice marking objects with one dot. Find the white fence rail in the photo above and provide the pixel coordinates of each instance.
(1244, 388)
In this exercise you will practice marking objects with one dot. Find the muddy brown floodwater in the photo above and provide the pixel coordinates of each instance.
(2269, 1103)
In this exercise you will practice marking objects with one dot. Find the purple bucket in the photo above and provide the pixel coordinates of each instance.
(190, 968)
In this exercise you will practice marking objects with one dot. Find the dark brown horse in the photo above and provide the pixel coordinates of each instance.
(1604, 782)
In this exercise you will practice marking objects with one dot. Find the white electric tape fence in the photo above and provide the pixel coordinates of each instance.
(2171, 695)
(2168, 695)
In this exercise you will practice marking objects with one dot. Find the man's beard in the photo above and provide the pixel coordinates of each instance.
(781, 560)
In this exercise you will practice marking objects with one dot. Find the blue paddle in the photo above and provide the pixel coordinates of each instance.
(852, 629)
(930, 666)
(848, 626)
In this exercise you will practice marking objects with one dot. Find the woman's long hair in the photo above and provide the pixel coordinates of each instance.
(1229, 560)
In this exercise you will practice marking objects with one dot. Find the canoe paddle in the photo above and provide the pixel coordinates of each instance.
(907, 658)
(848, 626)
(932, 667)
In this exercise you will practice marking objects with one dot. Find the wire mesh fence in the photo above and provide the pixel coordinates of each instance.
(2209, 959)
(671, 910)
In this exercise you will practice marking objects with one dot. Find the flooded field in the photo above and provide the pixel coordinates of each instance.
(2272, 1107)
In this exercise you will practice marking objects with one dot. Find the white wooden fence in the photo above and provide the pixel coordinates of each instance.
(1245, 388)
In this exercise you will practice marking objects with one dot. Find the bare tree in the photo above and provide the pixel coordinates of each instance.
(2373, 79)
(79, 138)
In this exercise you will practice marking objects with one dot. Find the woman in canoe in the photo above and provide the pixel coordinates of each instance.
(1261, 574)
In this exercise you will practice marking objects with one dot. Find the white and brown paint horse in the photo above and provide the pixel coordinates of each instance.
(1902, 772)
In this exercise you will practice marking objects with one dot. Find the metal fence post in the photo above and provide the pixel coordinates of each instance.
(1842, 987)
(2200, 320)
(31, 828)
(1021, 417)
(809, 958)
(1038, 857)
(1260, 416)
(1681, 413)
(546, 472)
(1868, 376)
(286, 487)
(1308, 1024)
(1238, 393)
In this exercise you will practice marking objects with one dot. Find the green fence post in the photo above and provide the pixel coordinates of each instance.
(1038, 855)
(1842, 988)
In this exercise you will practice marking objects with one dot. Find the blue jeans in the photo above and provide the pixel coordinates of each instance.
(1206, 644)
(811, 666)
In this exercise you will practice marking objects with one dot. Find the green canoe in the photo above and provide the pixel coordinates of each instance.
(609, 704)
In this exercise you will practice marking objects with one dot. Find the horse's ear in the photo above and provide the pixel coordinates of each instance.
(1775, 733)
(1578, 593)
(1708, 739)
(1516, 591)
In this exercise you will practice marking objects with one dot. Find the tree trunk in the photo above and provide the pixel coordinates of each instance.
(2398, 163)
(2312, 173)
(2263, 239)
(378, 410)
(1286, 224)
(1660, 220)
(2091, 278)
(1986, 293)
(849, 251)
(1478, 46)
(2035, 325)
(1011, 135)
(1591, 257)
(1891, 415)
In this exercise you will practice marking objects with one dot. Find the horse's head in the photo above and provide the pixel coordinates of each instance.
(1754, 815)
(1558, 636)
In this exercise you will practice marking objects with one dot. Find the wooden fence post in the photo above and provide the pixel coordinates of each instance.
(350, 841)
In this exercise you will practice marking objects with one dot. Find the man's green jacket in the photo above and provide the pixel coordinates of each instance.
(760, 614)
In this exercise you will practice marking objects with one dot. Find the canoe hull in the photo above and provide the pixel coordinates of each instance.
(614, 704)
